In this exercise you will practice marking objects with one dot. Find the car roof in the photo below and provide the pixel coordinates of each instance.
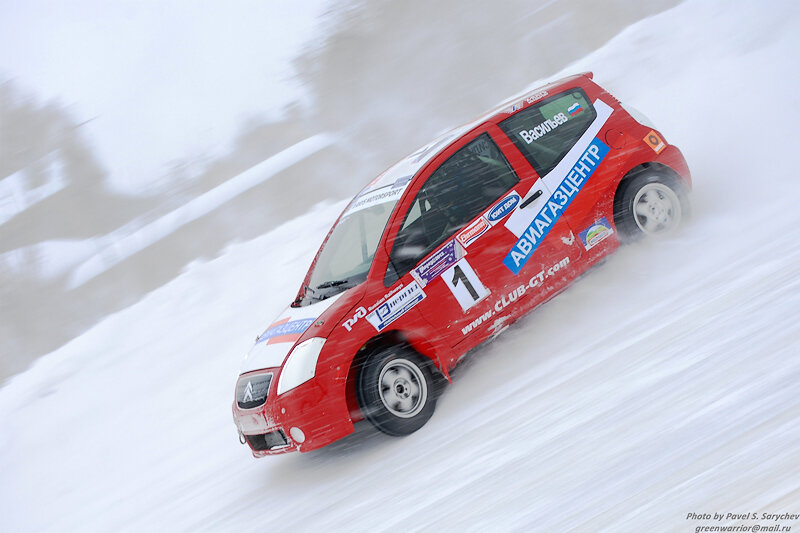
(392, 183)
(406, 168)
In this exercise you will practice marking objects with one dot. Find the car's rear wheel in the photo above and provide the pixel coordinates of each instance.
(395, 390)
(649, 204)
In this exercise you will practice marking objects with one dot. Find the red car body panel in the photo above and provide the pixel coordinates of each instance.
(438, 327)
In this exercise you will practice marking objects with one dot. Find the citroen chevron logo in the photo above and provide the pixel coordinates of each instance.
(248, 393)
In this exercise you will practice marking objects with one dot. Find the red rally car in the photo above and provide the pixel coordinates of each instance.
(447, 248)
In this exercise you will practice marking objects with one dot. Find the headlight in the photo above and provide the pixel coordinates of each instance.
(252, 390)
(301, 364)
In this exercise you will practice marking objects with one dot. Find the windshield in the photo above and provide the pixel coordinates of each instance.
(346, 256)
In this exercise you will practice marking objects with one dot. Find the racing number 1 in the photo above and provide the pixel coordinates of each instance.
(464, 284)
(458, 274)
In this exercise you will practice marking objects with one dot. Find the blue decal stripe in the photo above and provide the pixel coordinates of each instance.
(289, 328)
(555, 206)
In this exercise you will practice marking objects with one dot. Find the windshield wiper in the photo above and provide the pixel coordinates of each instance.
(307, 292)
(332, 283)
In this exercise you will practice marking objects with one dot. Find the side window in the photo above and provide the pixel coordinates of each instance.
(545, 132)
(458, 191)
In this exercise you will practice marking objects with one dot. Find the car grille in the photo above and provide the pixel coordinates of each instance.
(267, 441)
(252, 390)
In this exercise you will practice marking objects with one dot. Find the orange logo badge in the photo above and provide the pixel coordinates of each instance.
(654, 141)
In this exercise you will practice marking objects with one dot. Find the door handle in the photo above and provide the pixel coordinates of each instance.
(533, 197)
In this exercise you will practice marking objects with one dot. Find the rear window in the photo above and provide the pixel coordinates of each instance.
(545, 132)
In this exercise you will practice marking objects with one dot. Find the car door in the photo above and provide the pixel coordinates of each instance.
(452, 242)
(559, 137)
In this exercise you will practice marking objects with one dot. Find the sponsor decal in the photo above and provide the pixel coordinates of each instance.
(512, 297)
(396, 306)
(515, 107)
(558, 202)
(350, 322)
(537, 96)
(380, 195)
(285, 330)
(575, 109)
(384, 297)
(595, 233)
(544, 128)
(438, 262)
(471, 233)
(503, 208)
(654, 141)
(528, 100)
(499, 326)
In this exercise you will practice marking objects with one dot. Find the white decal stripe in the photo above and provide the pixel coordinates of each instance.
(554, 178)
(520, 219)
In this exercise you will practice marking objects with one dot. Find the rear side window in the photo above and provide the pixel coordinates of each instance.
(469, 181)
(545, 132)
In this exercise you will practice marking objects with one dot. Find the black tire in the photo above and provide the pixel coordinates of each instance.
(395, 390)
(650, 203)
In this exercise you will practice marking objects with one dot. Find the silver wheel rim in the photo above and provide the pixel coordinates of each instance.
(402, 387)
(656, 209)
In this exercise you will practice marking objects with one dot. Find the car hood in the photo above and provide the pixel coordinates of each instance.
(272, 346)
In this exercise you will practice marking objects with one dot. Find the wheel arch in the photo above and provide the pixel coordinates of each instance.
(651, 166)
(386, 339)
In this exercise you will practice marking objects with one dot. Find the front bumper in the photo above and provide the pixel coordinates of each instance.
(302, 419)
(261, 433)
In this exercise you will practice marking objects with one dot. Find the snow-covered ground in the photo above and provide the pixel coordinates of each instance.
(662, 383)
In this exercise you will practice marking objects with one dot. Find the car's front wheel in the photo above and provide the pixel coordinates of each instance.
(651, 203)
(395, 390)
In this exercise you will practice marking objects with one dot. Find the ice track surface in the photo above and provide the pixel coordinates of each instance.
(663, 382)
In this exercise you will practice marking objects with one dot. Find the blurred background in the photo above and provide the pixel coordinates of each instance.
(115, 118)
